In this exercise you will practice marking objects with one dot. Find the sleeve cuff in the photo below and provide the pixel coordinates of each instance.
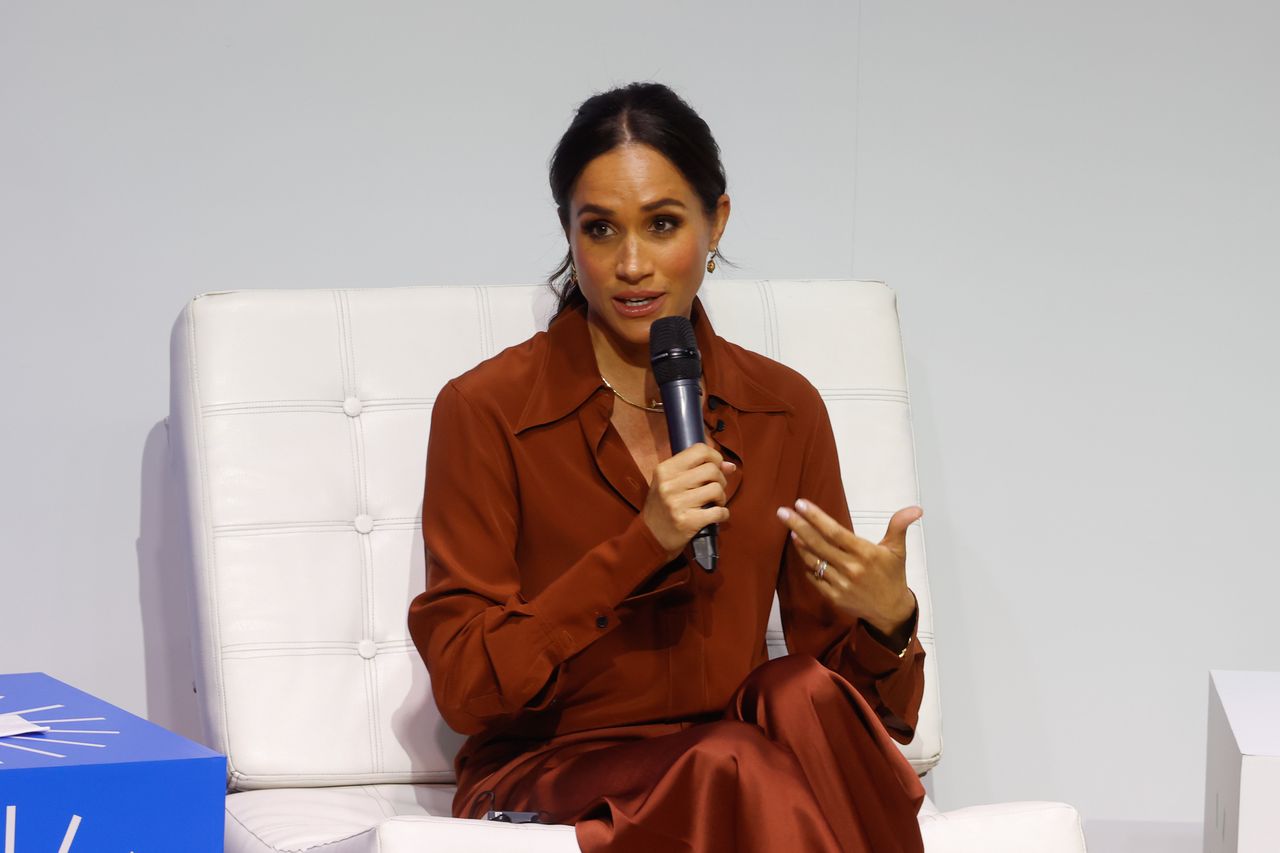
(872, 649)
(579, 606)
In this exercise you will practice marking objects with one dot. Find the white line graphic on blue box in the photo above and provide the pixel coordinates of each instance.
(88, 777)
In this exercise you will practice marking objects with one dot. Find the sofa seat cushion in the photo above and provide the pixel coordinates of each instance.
(416, 818)
(1018, 827)
(373, 819)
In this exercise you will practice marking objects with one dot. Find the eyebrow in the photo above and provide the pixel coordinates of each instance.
(653, 205)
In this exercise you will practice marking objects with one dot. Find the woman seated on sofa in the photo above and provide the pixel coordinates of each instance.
(605, 679)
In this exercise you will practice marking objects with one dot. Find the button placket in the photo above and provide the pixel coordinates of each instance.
(725, 430)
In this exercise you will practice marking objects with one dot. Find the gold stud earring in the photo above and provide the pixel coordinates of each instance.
(711, 261)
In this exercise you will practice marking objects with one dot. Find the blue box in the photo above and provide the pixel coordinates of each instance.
(102, 780)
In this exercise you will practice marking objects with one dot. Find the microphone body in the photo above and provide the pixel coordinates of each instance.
(682, 402)
(677, 366)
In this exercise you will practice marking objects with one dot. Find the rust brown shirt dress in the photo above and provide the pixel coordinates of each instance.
(602, 685)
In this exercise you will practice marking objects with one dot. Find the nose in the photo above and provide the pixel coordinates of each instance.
(632, 265)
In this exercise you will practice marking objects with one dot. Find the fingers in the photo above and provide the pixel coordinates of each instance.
(711, 493)
(699, 513)
(895, 538)
(706, 474)
(836, 573)
(824, 587)
(701, 517)
(686, 493)
(833, 530)
(693, 456)
(698, 458)
(814, 547)
(839, 544)
(857, 569)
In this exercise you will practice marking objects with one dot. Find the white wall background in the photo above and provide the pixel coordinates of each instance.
(1076, 204)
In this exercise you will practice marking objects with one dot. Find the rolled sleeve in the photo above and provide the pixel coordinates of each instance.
(892, 684)
(873, 651)
(579, 607)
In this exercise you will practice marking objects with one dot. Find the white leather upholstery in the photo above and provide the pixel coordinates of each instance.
(381, 818)
(299, 425)
(406, 818)
(1024, 827)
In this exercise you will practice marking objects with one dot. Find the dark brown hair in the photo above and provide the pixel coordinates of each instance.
(645, 113)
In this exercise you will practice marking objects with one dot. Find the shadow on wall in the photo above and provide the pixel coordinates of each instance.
(163, 594)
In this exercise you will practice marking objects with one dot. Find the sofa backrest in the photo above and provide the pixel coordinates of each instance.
(298, 430)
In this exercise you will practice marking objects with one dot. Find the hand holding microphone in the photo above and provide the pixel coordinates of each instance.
(686, 496)
(693, 479)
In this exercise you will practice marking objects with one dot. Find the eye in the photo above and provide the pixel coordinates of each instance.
(670, 222)
(596, 229)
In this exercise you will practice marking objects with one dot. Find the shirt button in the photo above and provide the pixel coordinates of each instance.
(713, 403)
(719, 426)
(602, 621)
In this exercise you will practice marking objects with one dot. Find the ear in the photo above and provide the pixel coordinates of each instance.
(719, 219)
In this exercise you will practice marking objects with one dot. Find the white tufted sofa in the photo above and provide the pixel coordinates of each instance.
(299, 426)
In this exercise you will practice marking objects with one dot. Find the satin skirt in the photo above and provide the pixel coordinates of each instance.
(799, 761)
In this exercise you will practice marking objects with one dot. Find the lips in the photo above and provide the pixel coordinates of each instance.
(638, 303)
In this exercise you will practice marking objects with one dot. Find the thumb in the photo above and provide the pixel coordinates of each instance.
(895, 537)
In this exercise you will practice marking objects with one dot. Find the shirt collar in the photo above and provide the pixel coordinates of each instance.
(570, 376)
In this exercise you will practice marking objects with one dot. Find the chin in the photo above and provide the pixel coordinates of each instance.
(636, 333)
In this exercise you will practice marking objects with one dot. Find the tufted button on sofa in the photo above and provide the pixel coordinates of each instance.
(299, 426)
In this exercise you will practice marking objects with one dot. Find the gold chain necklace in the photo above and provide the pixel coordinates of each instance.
(654, 405)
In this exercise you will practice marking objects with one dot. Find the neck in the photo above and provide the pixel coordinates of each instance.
(626, 366)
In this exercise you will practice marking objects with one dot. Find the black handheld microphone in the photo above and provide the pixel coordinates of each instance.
(673, 352)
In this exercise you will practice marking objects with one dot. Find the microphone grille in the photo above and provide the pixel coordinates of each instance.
(673, 349)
